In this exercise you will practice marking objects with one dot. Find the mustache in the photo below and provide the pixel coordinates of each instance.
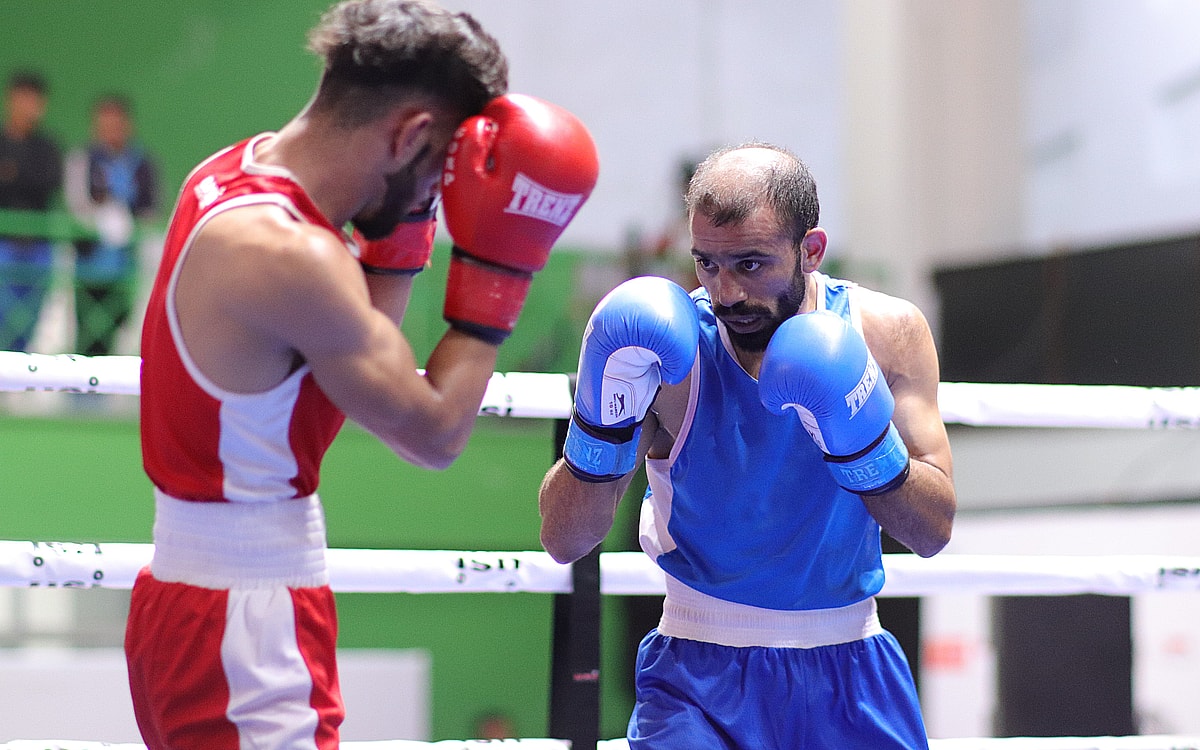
(740, 309)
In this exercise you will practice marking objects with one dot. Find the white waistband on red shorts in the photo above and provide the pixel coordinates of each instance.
(690, 614)
(228, 545)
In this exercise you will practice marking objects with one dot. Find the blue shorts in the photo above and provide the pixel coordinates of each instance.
(693, 694)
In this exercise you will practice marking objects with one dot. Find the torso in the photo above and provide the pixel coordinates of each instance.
(201, 439)
(719, 516)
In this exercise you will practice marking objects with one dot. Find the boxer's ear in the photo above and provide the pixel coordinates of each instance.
(812, 249)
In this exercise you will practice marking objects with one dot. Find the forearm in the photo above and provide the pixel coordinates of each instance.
(920, 512)
(576, 515)
(458, 372)
(390, 294)
(424, 418)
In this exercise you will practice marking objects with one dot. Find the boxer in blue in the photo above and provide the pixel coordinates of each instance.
(784, 417)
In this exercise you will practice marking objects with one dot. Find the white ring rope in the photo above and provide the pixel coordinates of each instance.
(115, 565)
(1145, 742)
(548, 395)
(530, 395)
(72, 373)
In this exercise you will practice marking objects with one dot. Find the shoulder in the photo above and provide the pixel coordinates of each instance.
(887, 313)
(666, 416)
(270, 228)
(285, 280)
(265, 244)
(895, 329)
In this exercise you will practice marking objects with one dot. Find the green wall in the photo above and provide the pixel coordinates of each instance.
(202, 74)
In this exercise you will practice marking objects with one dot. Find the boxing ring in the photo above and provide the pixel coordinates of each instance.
(574, 709)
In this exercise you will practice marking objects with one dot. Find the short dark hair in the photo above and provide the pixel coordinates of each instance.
(112, 100)
(786, 185)
(377, 52)
(28, 79)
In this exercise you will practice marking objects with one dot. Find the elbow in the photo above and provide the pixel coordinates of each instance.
(561, 551)
(439, 462)
(441, 458)
(930, 547)
(427, 455)
(935, 541)
(560, 556)
(566, 548)
(433, 447)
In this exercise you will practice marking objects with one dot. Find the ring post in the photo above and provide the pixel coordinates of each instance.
(575, 648)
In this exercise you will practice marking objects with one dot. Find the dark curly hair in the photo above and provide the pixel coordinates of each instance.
(379, 51)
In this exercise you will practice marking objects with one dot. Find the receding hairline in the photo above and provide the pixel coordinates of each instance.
(735, 182)
(749, 163)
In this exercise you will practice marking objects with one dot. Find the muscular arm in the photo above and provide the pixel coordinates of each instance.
(638, 347)
(260, 292)
(577, 515)
(920, 512)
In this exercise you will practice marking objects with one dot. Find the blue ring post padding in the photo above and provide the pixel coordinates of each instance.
(598, 458)
(874, 470)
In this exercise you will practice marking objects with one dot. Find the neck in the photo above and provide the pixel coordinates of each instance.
(18, 131)
(301, 149)
(809, 303)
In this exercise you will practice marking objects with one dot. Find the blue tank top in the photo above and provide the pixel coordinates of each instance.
(744, 509)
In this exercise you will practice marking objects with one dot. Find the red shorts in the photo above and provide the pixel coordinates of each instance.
(226, 669)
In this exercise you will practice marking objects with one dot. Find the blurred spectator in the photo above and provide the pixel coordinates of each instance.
(667, 253)
(30, 176)
(110, 186)
(494, 725)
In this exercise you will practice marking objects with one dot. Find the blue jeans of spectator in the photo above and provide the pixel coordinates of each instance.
(26, 266)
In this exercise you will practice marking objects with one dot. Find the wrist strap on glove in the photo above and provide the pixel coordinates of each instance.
(880, 467)
(600, 454)
(404, 252)
(484, 299)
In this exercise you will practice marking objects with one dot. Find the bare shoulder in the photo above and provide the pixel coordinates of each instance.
(266, 261)
(266, 235)
(283, 280)
(897, 333)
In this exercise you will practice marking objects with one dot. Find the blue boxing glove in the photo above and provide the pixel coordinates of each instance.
(642, 333)
(819, 366)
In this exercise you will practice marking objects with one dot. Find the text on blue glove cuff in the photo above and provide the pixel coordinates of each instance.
(881, 467)
(594, 459)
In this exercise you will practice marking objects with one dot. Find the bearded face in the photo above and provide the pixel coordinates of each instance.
(751, 325)
(399, 200)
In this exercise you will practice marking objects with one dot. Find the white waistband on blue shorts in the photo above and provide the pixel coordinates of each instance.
(239, 545)
(688, 613)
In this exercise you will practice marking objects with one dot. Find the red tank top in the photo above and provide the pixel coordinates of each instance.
(200, 442)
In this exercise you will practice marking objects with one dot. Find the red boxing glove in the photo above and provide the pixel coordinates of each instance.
(404, 252)
(515, 176)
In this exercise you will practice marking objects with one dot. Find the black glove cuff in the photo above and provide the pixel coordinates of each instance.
(487, 334)
(377, 271)
(464, 256)
(614, 435)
